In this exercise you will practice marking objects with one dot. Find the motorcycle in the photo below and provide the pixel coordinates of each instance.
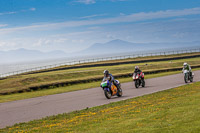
(111, 91)
(138, 78)
(187, 76)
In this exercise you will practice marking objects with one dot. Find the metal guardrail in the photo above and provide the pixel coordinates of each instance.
(98, 60)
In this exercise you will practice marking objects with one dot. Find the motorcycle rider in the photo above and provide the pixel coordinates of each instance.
(187, 67)
(109, 76)
(137, 70)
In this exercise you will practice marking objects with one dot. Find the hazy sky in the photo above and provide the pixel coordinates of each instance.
(73, 25)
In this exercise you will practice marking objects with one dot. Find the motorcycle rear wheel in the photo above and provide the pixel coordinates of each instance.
(191, 79)
(143, 83)
(119, 93)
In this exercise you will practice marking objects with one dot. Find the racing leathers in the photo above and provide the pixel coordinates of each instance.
(187, 67)
(137, 71)
(111, 79)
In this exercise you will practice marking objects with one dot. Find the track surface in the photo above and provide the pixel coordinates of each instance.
(37, 108)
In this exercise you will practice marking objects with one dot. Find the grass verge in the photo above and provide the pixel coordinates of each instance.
(173, 110)
(119, 60)
(21, 83)
(76, 87)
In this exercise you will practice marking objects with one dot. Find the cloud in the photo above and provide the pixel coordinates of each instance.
(14, 12)
(180, 34)
(42, 41)
(7, 44)
(92, 16)
(142, 16)
(121, 14)
(94, 1)
(86, 1)
(118, 0)
(79, 39)
(32, 9)
(3, 25)
(6, 13)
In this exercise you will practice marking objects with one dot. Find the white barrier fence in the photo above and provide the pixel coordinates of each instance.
(98, 60)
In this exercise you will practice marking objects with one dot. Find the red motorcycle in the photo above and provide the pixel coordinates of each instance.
(138, 78)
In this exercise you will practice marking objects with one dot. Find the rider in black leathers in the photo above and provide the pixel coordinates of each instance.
(137, 70)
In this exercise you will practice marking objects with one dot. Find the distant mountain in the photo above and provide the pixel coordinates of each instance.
(111, 48)
(114, 46)
(57, 53)
(29, 55)
(120, 46)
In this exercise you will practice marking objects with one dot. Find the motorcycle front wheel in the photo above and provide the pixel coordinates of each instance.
(136, 83)
(186, 78)
(107, 94)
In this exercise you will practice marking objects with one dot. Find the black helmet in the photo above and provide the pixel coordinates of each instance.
(106, 72)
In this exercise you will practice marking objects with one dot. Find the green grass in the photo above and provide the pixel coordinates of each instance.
(131, 59)
(173, 110)
(22, 82)
(76, 87)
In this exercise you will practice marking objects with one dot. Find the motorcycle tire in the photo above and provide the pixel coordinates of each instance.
(137, 84)
(186, 78)
(119, 93)
(143, 83)
(107, 94)
(191, 79)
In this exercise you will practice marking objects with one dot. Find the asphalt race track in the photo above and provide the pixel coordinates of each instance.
(37, 108)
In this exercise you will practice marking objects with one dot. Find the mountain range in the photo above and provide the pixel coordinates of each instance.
(113, 47)
(22, 54)
(120, 46)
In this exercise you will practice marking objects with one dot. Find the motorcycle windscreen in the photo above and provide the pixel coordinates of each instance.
(185, 71)
(104, 84)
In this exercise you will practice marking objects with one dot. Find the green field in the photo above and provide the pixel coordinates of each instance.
(129, 59)
(76, 87)
(21, 82)
(24, 82)
(173, 110)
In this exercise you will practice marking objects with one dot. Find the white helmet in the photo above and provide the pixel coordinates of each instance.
(136, 67)
(185, 64)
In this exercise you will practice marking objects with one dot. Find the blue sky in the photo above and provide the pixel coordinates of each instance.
(73, 25)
